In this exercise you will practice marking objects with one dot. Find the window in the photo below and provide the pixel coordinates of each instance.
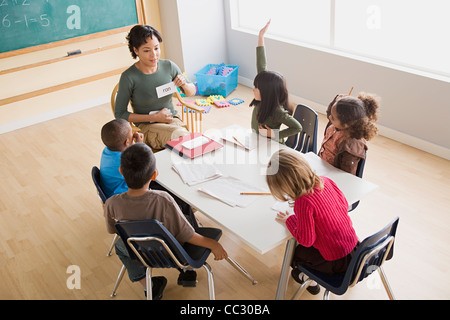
(409, 33)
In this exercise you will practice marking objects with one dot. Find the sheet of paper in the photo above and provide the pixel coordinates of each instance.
(166, 89)
(279, 206)
(228, 190)
(241, 137)
(196, 142)
(195, 173)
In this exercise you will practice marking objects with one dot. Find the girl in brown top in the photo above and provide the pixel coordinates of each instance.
(352, 122)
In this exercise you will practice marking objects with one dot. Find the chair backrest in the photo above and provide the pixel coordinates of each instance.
(113, 106)
(190, 114)
(359, 173)
(360, 168)
(150, 242)
(306, 140)
(371, 253)
(95, 173)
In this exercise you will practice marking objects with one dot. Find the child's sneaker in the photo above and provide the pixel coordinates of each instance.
(311, 289)
(187, 278)
(158, 285)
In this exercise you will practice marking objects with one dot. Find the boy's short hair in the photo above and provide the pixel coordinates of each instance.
(114, 133)
(137, 164)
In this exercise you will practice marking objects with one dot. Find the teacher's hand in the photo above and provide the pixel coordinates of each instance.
(179, 80)
(164, 115)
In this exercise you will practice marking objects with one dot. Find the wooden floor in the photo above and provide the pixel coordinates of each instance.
(51, 218)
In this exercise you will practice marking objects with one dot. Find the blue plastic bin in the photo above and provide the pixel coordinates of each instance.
(209, 84)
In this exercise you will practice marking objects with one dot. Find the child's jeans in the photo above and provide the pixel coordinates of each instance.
(136, 270)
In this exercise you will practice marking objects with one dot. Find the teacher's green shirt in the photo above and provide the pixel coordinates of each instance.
(140, 89)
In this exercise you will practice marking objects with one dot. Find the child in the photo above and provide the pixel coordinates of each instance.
(272, 108)
(352, 121)
(117, 136)
(320, 222)
(138, 166)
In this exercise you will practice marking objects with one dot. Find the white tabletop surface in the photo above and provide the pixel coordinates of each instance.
(254, 224)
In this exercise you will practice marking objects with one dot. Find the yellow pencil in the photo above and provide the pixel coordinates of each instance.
(238, 141)
(255, 193)
(350, 91)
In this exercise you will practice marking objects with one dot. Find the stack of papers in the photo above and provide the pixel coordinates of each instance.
(193, 173)
(196, 142)
(228, 190)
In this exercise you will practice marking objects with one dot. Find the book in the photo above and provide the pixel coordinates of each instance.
(193, 145)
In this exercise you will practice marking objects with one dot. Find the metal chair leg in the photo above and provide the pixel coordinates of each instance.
(116, 237)
(302, 288)
(119, 279)
(212, 294)
(242, 270)
(387, 287)
(148, 283)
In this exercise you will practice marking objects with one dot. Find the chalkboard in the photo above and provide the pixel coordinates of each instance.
(28, 23)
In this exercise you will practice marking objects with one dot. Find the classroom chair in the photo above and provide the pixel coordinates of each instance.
(113, 105)
(151, 243)
(190, 114)
(369, 256)
(306, 140)
(95, 174)
(359, 173)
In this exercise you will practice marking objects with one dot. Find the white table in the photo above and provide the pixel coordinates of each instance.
(255, 224)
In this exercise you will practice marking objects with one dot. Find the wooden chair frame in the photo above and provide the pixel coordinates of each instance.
(193, 115)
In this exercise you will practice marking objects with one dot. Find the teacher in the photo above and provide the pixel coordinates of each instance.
(156, 117)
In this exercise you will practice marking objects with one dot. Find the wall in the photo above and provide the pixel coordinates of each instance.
(33, 90)
(194, 33)
(415, 109)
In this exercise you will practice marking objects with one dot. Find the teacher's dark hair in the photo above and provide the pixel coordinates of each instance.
(138, 36)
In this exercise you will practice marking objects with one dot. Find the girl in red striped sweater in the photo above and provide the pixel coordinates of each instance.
(320, 223)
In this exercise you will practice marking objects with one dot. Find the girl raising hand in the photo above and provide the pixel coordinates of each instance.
(271, 102)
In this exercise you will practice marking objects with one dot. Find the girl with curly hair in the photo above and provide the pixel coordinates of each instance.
(352, 122)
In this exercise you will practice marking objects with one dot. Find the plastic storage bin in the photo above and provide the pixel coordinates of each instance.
(214, 84)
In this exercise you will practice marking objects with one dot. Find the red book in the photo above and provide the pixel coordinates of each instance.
(193, 145)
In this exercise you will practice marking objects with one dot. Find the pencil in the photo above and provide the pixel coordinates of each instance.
(350, 91)
(238, 141)
(255, 193)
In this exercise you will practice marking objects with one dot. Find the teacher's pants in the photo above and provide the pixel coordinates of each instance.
(156, 135)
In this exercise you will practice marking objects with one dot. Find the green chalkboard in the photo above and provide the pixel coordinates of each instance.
(28, 23)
